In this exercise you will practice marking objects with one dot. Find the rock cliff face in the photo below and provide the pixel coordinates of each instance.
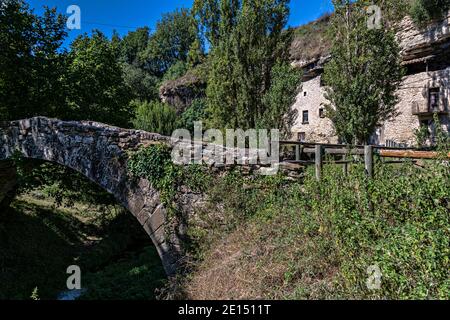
(180, 93)
(423, 43)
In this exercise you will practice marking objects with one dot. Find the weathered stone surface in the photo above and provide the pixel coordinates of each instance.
(180, 93)
(426, 54)
(417, 43)
(94, 150)
(311, 99)
(91, 149)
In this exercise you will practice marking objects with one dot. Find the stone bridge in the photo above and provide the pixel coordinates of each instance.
(99, 152)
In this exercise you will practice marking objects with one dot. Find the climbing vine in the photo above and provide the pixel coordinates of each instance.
(155, 164)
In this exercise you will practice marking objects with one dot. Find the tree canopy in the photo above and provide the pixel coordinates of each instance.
(174, 36)
(363, 75)
(248, 40)
(30, 63)
(96, 87)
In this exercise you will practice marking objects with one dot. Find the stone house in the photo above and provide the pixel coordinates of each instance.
(423, 92)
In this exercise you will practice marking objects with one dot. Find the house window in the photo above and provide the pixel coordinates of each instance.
(301, 137)
(321, 113)
(433, 100)
(305, 117)
(322, 82)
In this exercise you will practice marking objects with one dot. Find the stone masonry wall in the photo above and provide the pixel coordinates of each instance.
(414, 93)
(99, 152)
(310, 99)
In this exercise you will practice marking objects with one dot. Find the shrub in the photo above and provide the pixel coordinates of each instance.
(154, 117)
(423, 11)
(155, 164)
(325, 236)
(195, 112)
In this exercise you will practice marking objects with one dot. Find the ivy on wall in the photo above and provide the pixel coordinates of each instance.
(155, 164)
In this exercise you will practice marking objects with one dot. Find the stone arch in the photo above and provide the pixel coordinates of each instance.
(99, 152)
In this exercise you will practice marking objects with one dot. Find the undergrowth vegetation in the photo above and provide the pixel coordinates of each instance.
(318, 240)
(40, 240)
(155, 164)
(266, 237)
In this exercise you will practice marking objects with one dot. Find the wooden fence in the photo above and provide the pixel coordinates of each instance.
(367, 151)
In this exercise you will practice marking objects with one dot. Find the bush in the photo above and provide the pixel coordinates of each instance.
(423, 11)
(398, 221)
(155, 164)
(325, 236)
(154, 117)
(195, 112)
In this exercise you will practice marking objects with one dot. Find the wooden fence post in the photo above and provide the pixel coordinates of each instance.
(345, 166)
(319, 162)
(297, 153)
(368, 160)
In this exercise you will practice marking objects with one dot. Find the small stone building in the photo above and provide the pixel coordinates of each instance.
(423, 92)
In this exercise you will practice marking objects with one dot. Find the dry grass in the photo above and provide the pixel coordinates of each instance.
(258, 261)
(310, 41)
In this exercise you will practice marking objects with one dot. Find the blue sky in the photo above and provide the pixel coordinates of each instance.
(124, 16)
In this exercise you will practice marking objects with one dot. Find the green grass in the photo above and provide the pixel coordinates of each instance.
(39, 242)
(135, 276)
(312, 240)
(38, 245)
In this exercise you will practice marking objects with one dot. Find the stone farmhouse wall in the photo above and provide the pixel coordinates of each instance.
(311, 98)
(413, 93)
(426, 55)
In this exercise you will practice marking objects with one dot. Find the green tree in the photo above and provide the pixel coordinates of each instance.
(97, 90)
(196, 54)
(143, 85)
(154, 117)
(280, 97)
(132, 48)
(31, 65)
(251, 41)
(171, 42)
(423, 11)
(195, 112)
(176, 71)
(363, 75)
(216, 17)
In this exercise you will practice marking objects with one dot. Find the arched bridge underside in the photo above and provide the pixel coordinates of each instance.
(99, 152)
